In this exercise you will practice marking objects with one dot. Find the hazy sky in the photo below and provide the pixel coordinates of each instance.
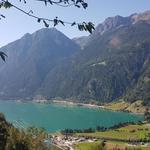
(17, 24)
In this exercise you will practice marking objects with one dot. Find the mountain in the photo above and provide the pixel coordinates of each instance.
(118, 21)
(141, 90)
(106, 69)
(29, 61)
(114, 63)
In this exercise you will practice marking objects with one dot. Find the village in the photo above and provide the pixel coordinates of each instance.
(68, 142)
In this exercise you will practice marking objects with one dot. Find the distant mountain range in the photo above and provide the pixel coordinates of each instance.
(111, 63)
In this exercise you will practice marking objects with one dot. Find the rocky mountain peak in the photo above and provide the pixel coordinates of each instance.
(111, 23)
(141, 17)
(117, 21)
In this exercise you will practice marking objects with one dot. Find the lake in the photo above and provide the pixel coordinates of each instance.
(55, 117)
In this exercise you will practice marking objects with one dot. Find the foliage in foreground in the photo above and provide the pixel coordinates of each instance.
(84, 26)
(15, 139)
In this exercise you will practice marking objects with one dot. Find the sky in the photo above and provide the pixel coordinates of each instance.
(17, 24)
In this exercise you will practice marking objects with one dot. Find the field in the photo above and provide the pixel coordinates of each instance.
(118, 138)
(133, 132)
(88, 146)
(97, 145)
(109, 146)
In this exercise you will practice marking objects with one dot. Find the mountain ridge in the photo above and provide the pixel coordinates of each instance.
(113, 23)
(113, 63)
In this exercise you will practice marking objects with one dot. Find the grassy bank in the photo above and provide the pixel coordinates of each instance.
(136, 107)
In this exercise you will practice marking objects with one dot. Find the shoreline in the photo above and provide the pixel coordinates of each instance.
(94, 106)
(71, 103)
(88, 105)
(76, 104)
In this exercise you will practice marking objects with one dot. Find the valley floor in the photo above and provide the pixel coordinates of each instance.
(128, 137)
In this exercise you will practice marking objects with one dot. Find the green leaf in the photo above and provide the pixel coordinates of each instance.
(39, 20)
(85, 5)
(7, 4)
(55, 21)
(61, 22)
(74, 23)
(45, 23)
(2, 16)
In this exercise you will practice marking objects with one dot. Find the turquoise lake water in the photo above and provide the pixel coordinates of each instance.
(55, 117)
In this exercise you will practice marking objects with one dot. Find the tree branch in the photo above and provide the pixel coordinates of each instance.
(81, 26)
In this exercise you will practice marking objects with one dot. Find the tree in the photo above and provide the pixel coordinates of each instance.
(102, 145)
(3, 131)
(147, 115)
(12, 138)
(84, 26)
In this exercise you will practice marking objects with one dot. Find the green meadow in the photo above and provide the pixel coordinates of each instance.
(117, 138)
